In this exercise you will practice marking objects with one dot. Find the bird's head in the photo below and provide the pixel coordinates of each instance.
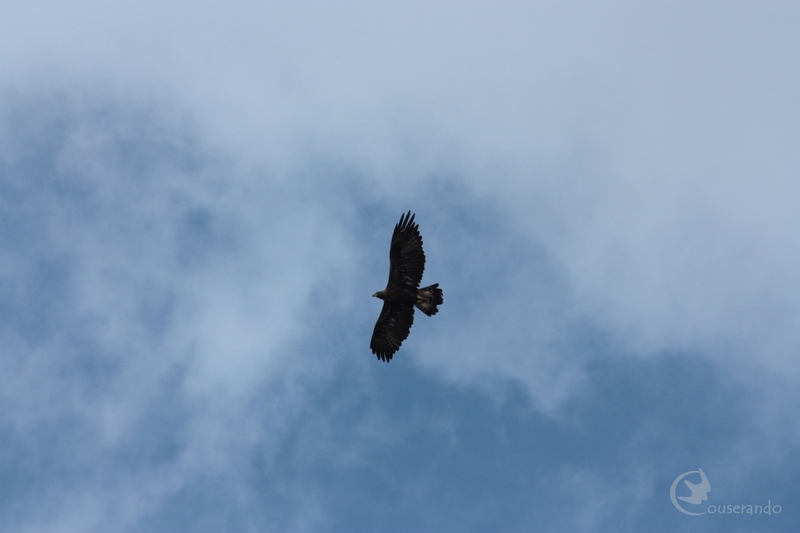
(379, 294)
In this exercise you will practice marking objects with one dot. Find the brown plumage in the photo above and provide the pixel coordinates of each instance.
(402, 292)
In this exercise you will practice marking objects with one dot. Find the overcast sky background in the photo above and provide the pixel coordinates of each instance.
(196, 202)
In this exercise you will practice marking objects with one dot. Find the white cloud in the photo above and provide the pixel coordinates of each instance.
(648, 148)
(150, 305)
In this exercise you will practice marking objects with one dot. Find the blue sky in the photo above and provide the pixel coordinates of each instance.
(196, 201)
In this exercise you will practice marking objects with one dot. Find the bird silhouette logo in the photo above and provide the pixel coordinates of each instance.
(699, 491)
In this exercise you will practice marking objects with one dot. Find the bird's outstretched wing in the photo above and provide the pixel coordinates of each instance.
(406, 258)
(391, 330)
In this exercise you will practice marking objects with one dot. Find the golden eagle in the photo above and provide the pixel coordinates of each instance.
(401, 295)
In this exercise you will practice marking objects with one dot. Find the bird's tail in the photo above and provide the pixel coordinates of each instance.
(429, 298)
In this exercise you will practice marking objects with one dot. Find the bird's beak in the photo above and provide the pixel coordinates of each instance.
(375, 295)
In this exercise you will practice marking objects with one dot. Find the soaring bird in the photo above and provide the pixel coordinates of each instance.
(402, 292)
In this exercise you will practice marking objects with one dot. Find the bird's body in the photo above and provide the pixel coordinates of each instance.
(402, 292)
